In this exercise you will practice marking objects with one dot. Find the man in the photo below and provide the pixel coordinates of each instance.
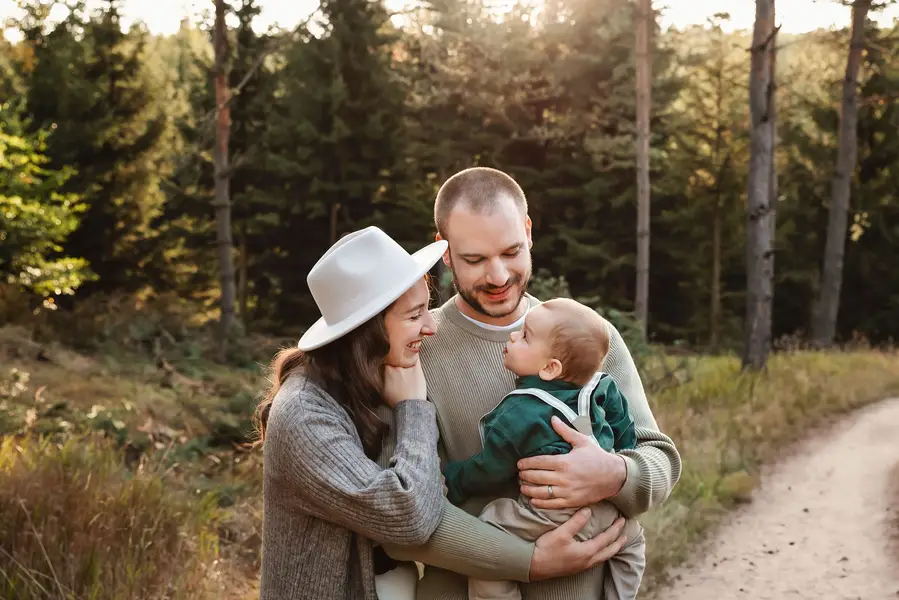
(482, 213)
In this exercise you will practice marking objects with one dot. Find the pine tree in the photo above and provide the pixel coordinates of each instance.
(701, 220)
(91, 85)
(336, 136)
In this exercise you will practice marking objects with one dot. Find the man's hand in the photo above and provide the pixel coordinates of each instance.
(586, 475)
(558, 554)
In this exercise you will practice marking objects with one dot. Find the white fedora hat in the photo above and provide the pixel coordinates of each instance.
(358, 277)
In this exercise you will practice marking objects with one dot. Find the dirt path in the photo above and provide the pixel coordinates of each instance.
(819, 526)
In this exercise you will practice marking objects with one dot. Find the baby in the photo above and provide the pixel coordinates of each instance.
(557, 357)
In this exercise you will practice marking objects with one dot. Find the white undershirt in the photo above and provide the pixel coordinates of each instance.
(510, 327)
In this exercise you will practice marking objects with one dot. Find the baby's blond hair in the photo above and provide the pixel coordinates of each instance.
(579, 339)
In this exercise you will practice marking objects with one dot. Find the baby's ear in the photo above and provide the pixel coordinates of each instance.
(551, 370)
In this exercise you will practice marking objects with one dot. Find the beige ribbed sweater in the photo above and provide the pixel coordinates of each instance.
(466, 379)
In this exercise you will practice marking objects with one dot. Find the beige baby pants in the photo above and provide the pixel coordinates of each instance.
(623, 572)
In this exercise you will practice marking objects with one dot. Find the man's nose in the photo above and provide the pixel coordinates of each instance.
(497, 274)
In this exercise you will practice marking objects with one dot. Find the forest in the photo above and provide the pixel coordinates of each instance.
(727, 198)
(356, 117)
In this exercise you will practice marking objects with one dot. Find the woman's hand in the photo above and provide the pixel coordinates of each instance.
(404, 383)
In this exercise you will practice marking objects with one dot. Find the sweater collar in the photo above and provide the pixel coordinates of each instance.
(556, 385)
(455, 317)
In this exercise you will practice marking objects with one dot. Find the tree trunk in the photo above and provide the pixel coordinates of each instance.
(715, 294)
(222, 180)
(760, 214)
(827, 306)
(715, 302)
(335, 210)
(243, 282)
(768, 307)
(644, 102)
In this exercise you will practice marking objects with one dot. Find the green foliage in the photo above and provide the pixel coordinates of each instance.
(354, 120)
(335, 143)
(91, 83)
(36, 216)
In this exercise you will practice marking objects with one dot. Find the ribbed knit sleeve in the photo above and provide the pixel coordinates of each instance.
(323, 464)
(654, 466)
(465, 545)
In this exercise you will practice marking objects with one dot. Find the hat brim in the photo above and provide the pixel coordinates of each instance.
(321, 333)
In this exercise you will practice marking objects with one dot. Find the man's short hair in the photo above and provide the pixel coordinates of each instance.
(579, 339)
(478, 188)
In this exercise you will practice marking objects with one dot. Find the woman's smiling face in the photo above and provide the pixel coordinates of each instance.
(408, 322)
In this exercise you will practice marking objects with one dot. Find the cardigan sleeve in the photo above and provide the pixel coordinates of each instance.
(322, 463)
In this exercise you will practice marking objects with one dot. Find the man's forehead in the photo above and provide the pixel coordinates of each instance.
(484, 231)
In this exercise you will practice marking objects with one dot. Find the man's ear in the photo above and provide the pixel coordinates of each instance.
(527, 230)
(446, 255)
(551, 370)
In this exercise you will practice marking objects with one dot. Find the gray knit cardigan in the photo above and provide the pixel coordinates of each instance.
(327, 504)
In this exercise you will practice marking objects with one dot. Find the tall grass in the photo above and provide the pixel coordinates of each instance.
(74, 524)
(727, 423)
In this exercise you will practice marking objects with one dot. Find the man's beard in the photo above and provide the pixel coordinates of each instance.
(518, 281)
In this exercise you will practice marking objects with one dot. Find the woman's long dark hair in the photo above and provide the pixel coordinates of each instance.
(349, 369)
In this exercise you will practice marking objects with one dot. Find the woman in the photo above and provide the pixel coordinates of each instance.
(327, 503)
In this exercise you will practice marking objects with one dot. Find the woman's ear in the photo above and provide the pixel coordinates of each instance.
(551, 370)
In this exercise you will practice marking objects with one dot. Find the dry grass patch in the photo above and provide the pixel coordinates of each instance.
(130, 478)
(727, 423)
(75, 524)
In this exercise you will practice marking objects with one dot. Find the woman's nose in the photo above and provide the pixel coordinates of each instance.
(428, 327)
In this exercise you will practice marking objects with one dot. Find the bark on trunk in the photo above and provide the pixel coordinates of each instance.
(760, 216)
(715, 303)
(243, 282)
(827, 305)
(335, 210)
(717, 226)
(222, 180)
(644, 102)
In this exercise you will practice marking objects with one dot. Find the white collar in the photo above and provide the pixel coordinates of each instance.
(511, 327)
